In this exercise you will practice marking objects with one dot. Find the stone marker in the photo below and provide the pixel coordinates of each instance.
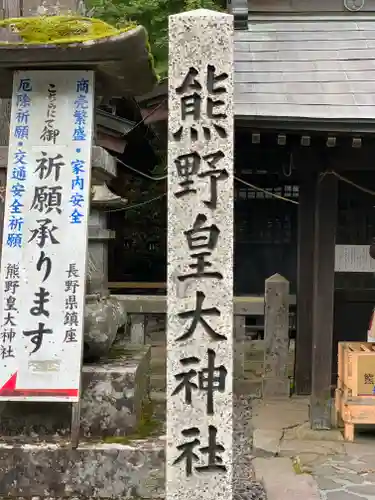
(200, 256)
(276, 337)
(43, 262)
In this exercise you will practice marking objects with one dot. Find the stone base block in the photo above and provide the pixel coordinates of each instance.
(272, 387)
(113, 395)
(90, 471)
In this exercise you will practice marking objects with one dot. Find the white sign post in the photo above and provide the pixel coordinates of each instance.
(353, 259)
(43, 263)
(200, 257)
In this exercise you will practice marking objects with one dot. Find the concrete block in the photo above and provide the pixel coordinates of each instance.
(111, 404)
(266, 442)
(279, 414)
(92, 470)
(113, 394)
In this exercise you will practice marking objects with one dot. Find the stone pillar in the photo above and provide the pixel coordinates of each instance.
(103, 314)
(200, 255)
(99, 236)
(276, 337)
(239, 339)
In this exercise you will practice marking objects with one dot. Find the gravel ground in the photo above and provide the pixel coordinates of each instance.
(245, 486)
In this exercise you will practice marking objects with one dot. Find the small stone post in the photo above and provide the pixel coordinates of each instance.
(200, 256)
(239, 339)
(276, 337)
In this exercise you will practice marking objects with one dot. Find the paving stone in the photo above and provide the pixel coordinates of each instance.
(305, 433)
(294, 447)
(364, 489)
(341, 495)
(280, 414)
(369, 459)
(342, 477)
(325, 470)
(309, 459)
(356, 461)
(282, 483)
(266, 442)
(339, 470)
(352, 478)
(326, 483)
(360, 450)
(356, 468)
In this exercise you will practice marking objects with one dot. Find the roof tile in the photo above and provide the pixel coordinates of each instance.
(305, 69)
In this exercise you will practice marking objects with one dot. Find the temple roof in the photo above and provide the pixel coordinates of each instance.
(305, 68)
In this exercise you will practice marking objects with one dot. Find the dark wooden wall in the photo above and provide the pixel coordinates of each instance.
(265, 228)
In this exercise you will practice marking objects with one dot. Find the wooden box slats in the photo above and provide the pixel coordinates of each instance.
(355, 393)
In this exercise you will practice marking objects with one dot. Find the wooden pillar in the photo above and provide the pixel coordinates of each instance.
(323, 301)
(305, 273)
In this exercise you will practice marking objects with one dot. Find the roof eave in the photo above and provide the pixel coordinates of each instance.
(287, 123)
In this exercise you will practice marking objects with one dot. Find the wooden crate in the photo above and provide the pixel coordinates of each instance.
(355, 393)
(356, 368)
(353, 411)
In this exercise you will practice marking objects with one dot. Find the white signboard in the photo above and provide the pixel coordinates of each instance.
(353, 259)
(44, 251)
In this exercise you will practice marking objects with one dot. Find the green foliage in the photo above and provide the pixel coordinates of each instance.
(153, 15)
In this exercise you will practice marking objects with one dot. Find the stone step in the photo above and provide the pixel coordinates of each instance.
(252, 353)
(56, 471)
(251, 346)
(253, 369)
(158, 382)
(251, 384)
(249, 387)
(158, 364)
(158, 351)
(109, 404)
(160, 360)
(159, 404)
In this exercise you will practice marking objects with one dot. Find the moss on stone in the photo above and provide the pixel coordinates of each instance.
(123, 352)
(60, 29)
(117, 440)
(148, 426)
(119, 352)
(291, 385)
(298, 467)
